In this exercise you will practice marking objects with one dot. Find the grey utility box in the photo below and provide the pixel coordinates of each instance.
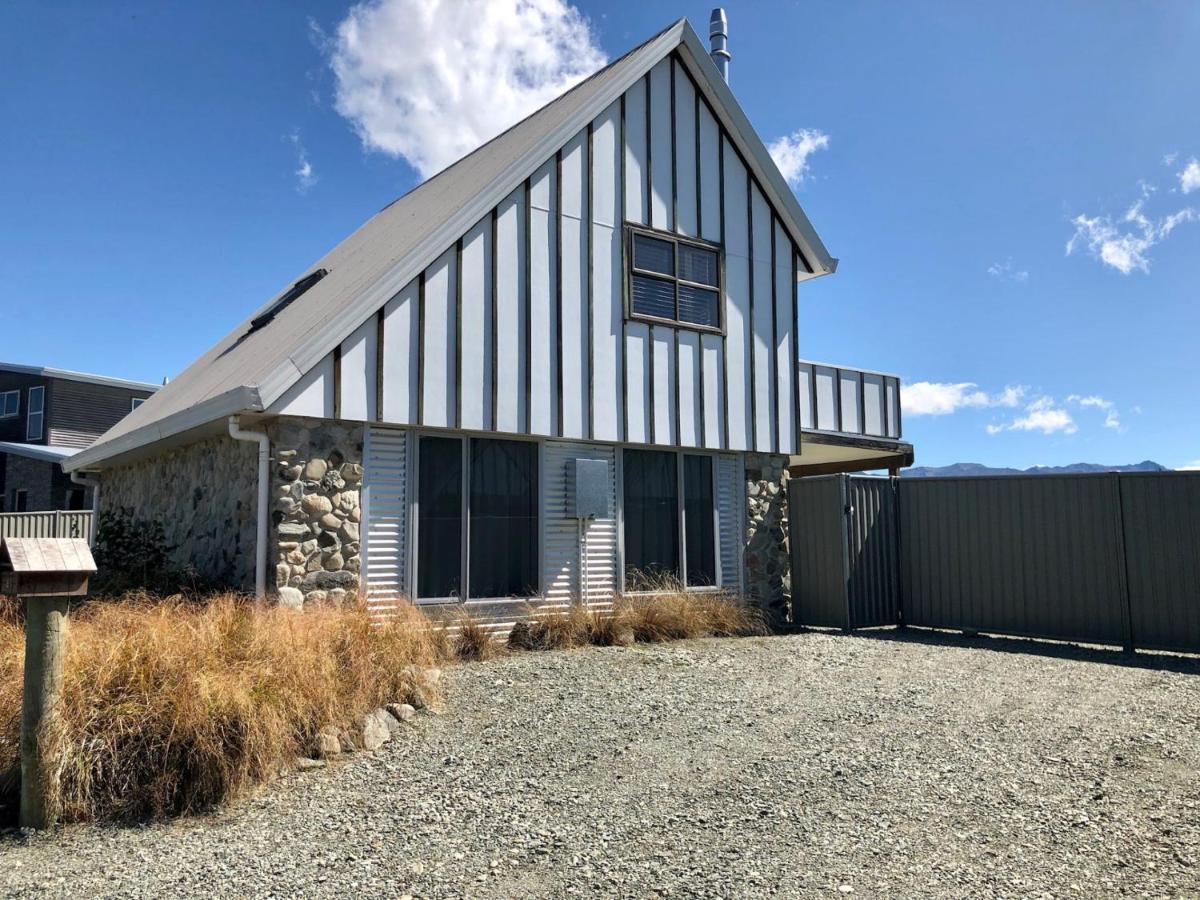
(588, 485)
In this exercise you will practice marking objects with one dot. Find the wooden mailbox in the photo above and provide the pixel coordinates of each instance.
(45, 567)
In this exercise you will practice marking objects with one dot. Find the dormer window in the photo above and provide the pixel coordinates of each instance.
(674, 280)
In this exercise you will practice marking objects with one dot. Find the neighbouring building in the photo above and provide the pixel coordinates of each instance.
(46, 416)
(563, 367)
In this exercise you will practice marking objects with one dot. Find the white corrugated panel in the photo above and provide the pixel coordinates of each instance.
(385, 478)
(560, 533)
(730, 504)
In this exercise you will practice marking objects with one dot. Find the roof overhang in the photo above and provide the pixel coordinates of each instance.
(86, 377)
(38, 451)
(825, 453)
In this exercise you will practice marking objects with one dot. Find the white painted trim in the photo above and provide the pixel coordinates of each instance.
(69, 375)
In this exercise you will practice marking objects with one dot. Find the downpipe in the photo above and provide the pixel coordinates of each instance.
(94, 483)
(264, 470)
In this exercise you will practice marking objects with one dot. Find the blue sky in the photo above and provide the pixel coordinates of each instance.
(166, 167)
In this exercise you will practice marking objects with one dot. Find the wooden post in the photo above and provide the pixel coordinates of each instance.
(45, 645)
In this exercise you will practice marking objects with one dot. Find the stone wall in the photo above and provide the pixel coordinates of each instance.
(204, 496)
(767, 559)
(316, 477)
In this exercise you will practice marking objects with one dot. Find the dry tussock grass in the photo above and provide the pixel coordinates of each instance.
(471, 640)
(669, 614)
(173, 707)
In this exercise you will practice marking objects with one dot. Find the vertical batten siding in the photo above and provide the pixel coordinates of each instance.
(476, 350)
(661, 200)
(710, 176)
(713, 369)
(686, 208)
(512, 313)
(735, 204)
(607, 306)
(691, 410)
(763, 380)
(663, 381)
(439, 399)
(574, 287)
(637, 208)
(637, 382)
(399, 363)
(561, 545)
(312, 395)
(785, 358)
(543, 305)
(357, 382)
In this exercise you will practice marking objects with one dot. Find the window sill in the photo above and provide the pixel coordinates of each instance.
(672, 323)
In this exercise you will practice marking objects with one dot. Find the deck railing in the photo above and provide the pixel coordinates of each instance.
(55, 523)
(843, 400)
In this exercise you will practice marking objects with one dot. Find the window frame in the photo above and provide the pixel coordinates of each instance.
(681, 517)
(40, 413)
(633, 229)
(135, 402)
(464, 439)
(4, 395)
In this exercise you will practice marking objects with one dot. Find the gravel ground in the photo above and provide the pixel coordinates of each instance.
(787, 766)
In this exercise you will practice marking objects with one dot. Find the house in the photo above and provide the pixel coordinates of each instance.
(46, 415)
(564, 366)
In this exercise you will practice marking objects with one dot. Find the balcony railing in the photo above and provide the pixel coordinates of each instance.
(841, 400)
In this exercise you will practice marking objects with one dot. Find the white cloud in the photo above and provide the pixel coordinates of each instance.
(1043, 415)
(791, 153)
(1124, 244)
(1006, 271)
(1189, 178)
(1169, 158)
(1112, 418)
(1193, 466)
(430, 82)
(306, 176)
(931, 398)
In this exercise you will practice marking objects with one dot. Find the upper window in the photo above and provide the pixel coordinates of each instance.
(36, 417)
(135, 402)
(10, 404)
(674, 279)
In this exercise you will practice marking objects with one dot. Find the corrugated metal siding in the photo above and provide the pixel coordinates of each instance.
(560, 532)
(817, 533)
(874, 583)
(1162, 549)
(1036, 556)
(386, 509)
(731, 524)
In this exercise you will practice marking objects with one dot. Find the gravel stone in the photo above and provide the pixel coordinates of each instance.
(809, 765)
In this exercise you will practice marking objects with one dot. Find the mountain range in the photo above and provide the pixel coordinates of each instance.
(964, 469)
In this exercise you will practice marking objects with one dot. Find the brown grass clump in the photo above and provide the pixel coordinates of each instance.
(471, 640)
(669, 614)
(172, 707)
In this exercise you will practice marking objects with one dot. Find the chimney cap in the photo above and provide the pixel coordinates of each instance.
(717, 22)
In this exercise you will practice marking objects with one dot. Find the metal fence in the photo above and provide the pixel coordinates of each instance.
(1108, 559)
(56, 523)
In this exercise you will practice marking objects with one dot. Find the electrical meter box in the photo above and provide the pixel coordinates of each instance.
(589, 483)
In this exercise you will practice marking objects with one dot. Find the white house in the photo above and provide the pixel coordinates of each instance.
(612, 279)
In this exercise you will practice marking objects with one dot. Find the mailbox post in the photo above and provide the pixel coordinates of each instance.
(45, 573)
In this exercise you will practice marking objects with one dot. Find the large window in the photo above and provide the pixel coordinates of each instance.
(10, 404)
(35, 421)
(669, 520)
(674, 280)
(498, 480)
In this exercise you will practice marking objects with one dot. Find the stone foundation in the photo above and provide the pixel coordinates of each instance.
(768, 577)
(316, 478)
(204, 496)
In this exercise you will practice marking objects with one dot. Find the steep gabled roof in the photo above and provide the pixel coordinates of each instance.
(249, 369)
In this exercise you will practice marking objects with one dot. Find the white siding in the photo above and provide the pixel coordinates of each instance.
(663, 403)
(785, 363)
(689, 389)
(660, 146)
(737, 303)
(685, 153)
(477, 327)
(636, 204)
(358, 373)
(763, 340)
(438, 359)
(637, 381)
(607, 310)
(575, 349)
(731, 489)
(512, 313)
(873, 405)
(385, 505)
(561, 540)
(543, 303)
(710, 176)
(399, 360)
(714, 418)
(311, 396)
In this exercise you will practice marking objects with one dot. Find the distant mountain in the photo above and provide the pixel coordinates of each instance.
(958, 470)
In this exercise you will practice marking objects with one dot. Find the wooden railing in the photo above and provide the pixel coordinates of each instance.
(55, 523)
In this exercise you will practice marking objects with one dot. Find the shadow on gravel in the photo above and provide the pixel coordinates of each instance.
(1143, 659)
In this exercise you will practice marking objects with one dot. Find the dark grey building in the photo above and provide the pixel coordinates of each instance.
(46, 416)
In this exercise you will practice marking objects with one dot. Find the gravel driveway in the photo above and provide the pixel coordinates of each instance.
(789, 766)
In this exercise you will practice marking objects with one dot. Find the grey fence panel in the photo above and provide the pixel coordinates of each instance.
(1037, 556)
(61, 523)
(1162, 552)
(873, 580)
(817, 536)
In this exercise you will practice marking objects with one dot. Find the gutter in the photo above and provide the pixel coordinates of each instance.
(264, 462)
(94, 483)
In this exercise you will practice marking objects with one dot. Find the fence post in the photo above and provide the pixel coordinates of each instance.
(847, 513)
(1123, 567)
(46, 625)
